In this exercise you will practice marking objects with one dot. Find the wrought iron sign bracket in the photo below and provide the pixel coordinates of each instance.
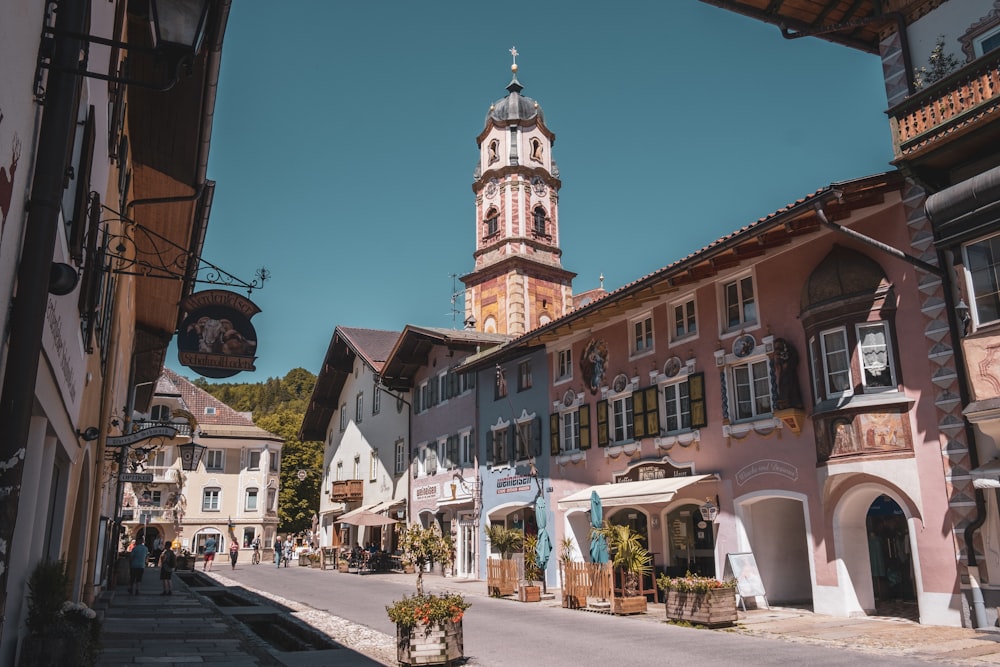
(136, 250)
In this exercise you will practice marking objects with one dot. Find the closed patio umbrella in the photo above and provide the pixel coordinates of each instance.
(543, 549)
(598, 545)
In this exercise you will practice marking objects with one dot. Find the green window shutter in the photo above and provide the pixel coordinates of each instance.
(584, 416)
(512, 441)
(554, 433)
(536, 436)
(696, 392)
(602, 423)
(489, 448)
(639, 414)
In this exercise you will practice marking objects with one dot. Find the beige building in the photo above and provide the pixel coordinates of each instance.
(233, 494)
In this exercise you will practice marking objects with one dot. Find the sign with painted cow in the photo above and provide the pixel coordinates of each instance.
(216, 338)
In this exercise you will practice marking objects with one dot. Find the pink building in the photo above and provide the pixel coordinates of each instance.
(781, 394)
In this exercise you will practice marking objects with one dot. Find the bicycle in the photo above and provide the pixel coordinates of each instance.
(256, 557)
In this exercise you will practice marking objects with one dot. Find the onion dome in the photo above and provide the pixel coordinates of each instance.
(515, 106)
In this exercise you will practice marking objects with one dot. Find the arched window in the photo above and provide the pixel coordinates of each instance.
(492, 222)
(539, 218)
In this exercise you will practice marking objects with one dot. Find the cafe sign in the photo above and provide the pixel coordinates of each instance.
(514, 484)
(652, 470)
(216, 338)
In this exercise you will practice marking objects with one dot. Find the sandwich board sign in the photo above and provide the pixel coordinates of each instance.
(743, 568)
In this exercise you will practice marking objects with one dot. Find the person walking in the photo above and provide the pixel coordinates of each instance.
(256, 550)
(168, 560)
(234, 553)
(137, 566)
(211, 546)
(277, 551)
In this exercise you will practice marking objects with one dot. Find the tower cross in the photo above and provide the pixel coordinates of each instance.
(513, 52)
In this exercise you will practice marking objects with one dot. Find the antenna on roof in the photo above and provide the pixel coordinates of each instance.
(455, 293)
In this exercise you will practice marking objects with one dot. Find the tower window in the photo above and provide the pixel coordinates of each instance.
(539, 220)
(492, 222)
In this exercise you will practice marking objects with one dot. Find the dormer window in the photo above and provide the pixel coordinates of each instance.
(210, 410)
(160, 413)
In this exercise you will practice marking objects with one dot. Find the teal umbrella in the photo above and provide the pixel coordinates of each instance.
(543, 548)
(598, 545)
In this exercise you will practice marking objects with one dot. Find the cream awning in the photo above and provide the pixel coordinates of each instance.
(632, 493)
(356, 512)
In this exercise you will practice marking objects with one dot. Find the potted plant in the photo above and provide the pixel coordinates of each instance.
(428, 627)
(501, 574)
(701, 600)
(60, 631)
(528, 590)
(633, 560)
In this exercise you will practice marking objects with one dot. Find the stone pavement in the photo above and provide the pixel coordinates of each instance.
(194, 627)
(198, 625)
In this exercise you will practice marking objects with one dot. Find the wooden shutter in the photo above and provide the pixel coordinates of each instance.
(696, 392)
(78, 224)
(646, 412)
(602, 423)
(584, 419)
(554, 420)
(452, 448)
(535, 444)
(489, 448)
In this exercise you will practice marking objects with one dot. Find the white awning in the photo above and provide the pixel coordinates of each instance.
(355, 512)
(632, 493)
(385, 505)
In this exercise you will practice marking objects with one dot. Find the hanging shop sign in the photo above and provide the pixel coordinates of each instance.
(130, 439)
(216, 338)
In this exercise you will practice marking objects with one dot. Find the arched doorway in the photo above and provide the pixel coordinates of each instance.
(778, 537)
(889, 554)
(690, 542)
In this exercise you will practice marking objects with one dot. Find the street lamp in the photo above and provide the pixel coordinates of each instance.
(191, 454)
(178, 25)
(709, 511)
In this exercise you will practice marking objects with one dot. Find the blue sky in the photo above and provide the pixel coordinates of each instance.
(344, 145)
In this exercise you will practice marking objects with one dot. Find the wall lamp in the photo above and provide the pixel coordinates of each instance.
(177, 27)
(90, 434)
(964, 316)
(191, 454)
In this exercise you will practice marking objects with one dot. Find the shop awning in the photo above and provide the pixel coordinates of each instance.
(356, 512)
(632, 493)
(987, 476)
(386, 505)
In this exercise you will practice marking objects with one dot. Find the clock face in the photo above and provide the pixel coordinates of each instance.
(491, 188)
(538, 185)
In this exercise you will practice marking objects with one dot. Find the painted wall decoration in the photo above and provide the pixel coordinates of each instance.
(594, 363)
(216, 338)
(7, 170)
(786, 363)
(864, 433)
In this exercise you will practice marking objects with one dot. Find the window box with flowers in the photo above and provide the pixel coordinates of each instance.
(700, 600)
(428, 627)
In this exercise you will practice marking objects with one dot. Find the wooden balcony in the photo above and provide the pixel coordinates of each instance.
(347, 490)
(952, 121)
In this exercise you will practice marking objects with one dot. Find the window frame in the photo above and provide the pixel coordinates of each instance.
(213, 492)
(491, 223)
(250, 459)
(400, 457)
(524, 380)
(253, 492)
(359, 407)
(890, 364)
(376, 400)
(621, 417)
(343, 417)
(735, 288)
(752, 367)
(978, 296)
(373, 465)
(642, 335)
(564, 364)
(679, 315)
(824, 362)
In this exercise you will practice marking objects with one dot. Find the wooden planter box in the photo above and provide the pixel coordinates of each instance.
(431, 644)
(632, 605)
(342, 566)
(529, 593)
(714, 608)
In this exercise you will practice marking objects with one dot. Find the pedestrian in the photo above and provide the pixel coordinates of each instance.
(137, 565)
(168, 560)
(234, 553)
(211, 546)
(277, 551)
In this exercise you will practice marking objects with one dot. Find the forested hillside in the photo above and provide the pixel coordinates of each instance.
(278, 405)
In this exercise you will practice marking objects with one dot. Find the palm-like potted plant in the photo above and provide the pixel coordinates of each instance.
(633, 560)
(501, 576)
(529, 590)
(428, 627)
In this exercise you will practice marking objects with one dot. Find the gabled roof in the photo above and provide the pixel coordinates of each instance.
(415, 343)
(372, 346)
(780, 228)
(219, 421)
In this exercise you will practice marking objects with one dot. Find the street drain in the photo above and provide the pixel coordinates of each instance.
(285, 634)
(196, 579)
(225, 598)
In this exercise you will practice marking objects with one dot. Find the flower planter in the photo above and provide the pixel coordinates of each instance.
(342, 566)
(630, 605)
(185, 562)
(429, 644)
(529, 593)
(713, 608)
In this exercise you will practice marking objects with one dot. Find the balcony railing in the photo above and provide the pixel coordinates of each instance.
(163, 475)
(148, 514)
(947, 108)
(347, 490)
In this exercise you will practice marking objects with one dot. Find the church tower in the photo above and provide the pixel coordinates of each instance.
(518, 282)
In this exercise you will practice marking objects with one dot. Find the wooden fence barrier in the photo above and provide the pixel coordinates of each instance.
(583, 580)
(501, 577)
